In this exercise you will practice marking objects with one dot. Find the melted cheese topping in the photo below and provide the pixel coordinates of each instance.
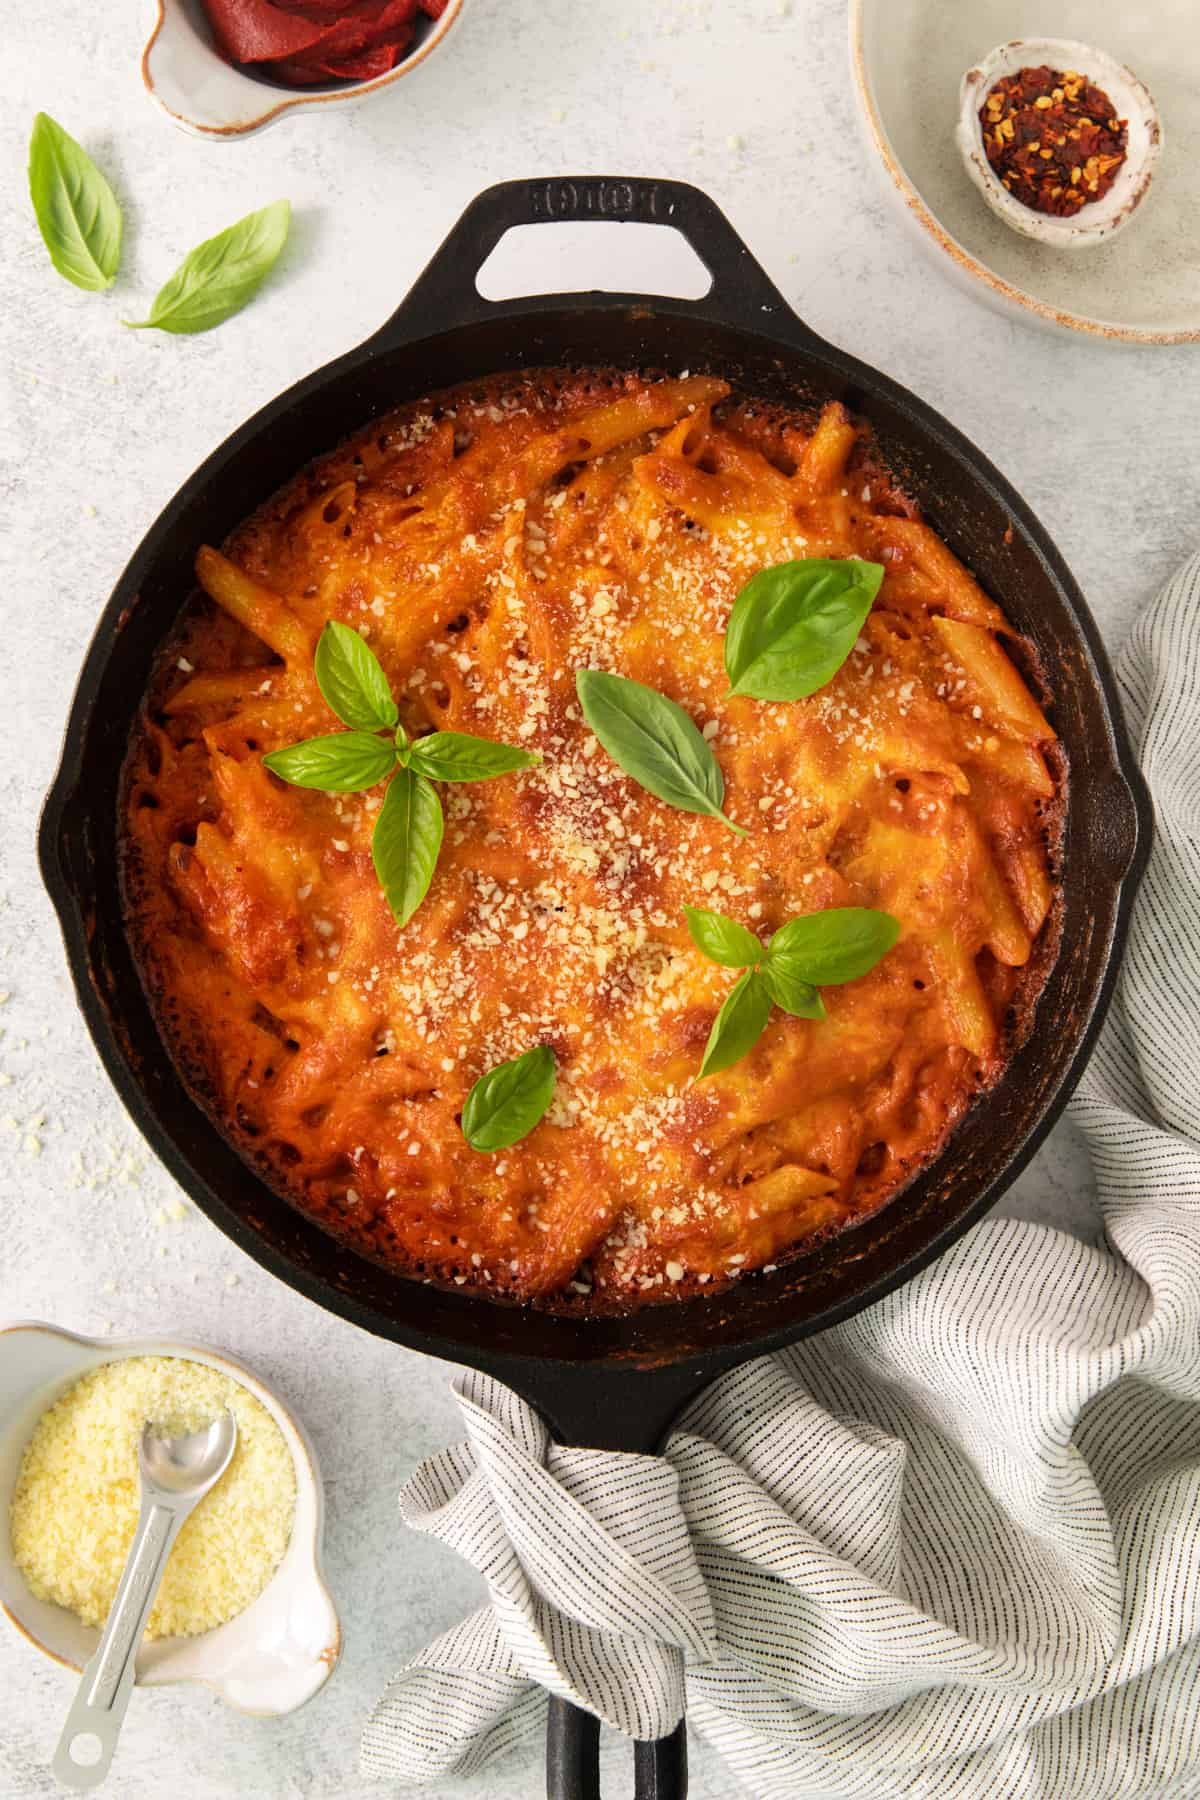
(488, 545)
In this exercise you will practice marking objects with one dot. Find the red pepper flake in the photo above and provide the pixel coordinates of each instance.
(1053, 139)
(305, 42)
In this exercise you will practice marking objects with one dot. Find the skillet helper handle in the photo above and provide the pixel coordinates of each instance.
(573, 1758)
(446, 294)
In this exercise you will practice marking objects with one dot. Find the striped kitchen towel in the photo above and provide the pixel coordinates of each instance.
(950, 1549)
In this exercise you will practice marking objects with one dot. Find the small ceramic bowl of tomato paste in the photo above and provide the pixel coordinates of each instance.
(1060, 139)
(224, 68)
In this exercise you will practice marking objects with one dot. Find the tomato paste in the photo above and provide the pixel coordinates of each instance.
(306, 42)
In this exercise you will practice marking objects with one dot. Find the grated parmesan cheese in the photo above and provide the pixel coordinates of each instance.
(76, 1499)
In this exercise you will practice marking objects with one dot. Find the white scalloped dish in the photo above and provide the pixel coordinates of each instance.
(268, 1660)
(1099, 221)
(185, 74)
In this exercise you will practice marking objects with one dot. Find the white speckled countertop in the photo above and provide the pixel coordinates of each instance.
(751, 100)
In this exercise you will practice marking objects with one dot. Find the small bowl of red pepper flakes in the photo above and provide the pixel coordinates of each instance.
(1059, 138)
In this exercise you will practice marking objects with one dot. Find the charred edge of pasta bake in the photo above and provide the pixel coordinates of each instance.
(186, 1033)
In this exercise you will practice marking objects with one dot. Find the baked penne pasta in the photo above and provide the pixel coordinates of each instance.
(487, 545)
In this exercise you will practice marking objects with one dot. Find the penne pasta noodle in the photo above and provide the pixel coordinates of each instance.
(916, 551)
(823, 461)
(959, 991)
(1003, 695)
(262, 612)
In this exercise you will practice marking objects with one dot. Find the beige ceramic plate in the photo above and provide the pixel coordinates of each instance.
(909, 57)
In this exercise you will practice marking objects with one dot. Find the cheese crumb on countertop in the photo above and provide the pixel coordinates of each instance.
(75, 1504)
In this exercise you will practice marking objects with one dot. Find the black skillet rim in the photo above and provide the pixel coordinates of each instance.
(743, 300)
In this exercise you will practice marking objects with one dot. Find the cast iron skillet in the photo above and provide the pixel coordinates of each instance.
(605, 1382)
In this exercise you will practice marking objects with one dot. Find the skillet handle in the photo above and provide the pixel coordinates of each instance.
(446, 295)
(573, 1758)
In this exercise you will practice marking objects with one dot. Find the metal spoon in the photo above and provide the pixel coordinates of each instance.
(175, 1474)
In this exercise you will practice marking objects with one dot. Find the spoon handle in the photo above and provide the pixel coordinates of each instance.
(93, 1725)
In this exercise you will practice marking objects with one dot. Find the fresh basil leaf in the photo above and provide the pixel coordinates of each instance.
(723, 940)
(793, 626)
(221, 275)
(790, 991)
(406, 842)
(739, 1024)
(840, 944)
(655, 741)
(77, 212)
(351, 680)
(507, 1102)
(345, 762)
(402, 742)
(456, 756)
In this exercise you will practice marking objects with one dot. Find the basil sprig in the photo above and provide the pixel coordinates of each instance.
(655, 741)
(453, 756)
(507, 1102)
(739, 1024)
(351, 681)
(221, 275)
(77, 212)
(81, 222)
(823, 949)
(407, 838)
(723, 940)
(835, 946)
(345, 762)
(407, 841)
(793, 626)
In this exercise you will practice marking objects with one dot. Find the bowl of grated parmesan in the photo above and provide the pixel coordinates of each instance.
(243, 1605)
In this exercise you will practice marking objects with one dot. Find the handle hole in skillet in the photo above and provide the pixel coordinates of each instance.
(576, 256)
